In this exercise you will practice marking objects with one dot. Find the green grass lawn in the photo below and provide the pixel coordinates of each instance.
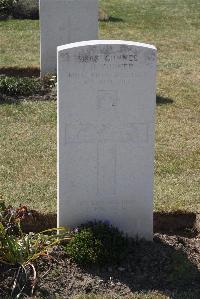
(28, 130)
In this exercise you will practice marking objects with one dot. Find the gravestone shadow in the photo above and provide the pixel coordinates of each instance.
(112, 19)
(8, 100)
(115, 19)
(183, 224)
(154, 266)
(163, 100)
(20, 71)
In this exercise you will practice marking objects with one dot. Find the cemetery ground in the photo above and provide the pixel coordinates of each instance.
(28, 151)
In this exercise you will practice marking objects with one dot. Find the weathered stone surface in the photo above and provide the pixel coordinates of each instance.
(63, 22)
(106, 102)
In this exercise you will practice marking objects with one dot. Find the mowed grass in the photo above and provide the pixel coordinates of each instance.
(20, 42)
(28, 130)
(28, 154)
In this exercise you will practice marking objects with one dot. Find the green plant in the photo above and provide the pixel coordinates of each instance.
(26, 9)
(22, 249)
(84, 248)
(49, 81)
(6, 6)
(97, 243)
(26, 248)
(10, 217)
(18, 247)
(16, 86)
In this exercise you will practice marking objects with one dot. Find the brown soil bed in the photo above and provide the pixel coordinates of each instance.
(169, 264)
(181, 223)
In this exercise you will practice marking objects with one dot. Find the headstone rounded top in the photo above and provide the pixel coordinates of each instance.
(104, 42)
(106, 105)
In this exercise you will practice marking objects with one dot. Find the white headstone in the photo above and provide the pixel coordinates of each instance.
(63, 22)
(106, 103)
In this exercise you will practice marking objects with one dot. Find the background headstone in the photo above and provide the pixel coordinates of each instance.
(63, 22)
(106, 103)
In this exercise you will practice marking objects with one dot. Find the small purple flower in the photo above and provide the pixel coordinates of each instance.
(76, 230)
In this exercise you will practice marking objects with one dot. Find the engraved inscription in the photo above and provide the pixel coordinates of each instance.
(107, 99)
(97, 205)
(128, 58)
(126, 76)
(80, 133)
(125, 204)
(124, 57)
(93, 133)
(106, 169)
(88, 58)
